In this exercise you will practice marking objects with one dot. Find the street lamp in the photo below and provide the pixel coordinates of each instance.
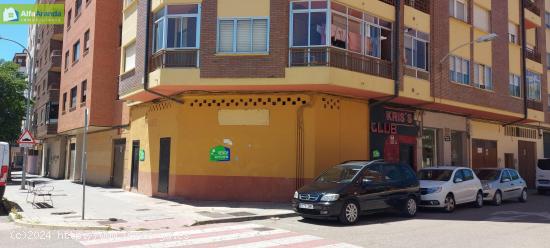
(28, 106)
(481, 39)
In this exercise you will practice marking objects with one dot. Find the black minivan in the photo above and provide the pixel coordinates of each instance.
(350, 189)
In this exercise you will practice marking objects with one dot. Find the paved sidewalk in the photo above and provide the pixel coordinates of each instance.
(132, 211)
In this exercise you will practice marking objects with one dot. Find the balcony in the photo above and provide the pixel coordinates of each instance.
(422, 5)
(533, 54)
(391, 2)
(175, 58)
(339, 58)
(531, 6)
(534, 105)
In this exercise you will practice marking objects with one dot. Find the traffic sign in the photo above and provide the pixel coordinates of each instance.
(26, 139)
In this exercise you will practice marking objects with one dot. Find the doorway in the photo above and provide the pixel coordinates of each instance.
(72, 160)
(164, 165)
(134, 173)
(484, 153)
(509, 161)
(527, 161)
(406, 155)
(117, 175)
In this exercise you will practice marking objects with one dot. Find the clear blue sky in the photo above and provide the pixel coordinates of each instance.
(14, 32)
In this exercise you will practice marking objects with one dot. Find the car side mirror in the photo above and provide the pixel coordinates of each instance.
(505, 180)
(458, 180)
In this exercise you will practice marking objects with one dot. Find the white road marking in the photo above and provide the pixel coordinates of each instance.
(277, 242)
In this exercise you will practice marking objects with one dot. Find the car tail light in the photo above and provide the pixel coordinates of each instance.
(3, 175)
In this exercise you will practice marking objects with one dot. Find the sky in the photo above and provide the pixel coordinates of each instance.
(16, 32)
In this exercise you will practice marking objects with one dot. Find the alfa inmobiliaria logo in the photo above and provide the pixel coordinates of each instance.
(32, 13)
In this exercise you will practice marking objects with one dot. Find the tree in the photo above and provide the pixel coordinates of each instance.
(12, 101)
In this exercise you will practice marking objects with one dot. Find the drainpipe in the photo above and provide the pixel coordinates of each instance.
(396, 55)
(146, 60)
(523, 66)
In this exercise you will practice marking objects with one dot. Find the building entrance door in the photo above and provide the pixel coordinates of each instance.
(164, 165)
(72, 160)
(484, 153)
(134, 174)
(119, 148)
(527, 161)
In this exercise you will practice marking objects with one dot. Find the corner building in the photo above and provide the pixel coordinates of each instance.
(249, 103)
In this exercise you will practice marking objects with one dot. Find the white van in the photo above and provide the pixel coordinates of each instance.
(4, 162)
(543, 175)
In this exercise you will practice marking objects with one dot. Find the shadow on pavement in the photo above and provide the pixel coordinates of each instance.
(536, 210)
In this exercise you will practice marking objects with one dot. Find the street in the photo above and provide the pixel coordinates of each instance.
(511, 225)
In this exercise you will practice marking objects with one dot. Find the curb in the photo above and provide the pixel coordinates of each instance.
(245, 218)
(19, 222)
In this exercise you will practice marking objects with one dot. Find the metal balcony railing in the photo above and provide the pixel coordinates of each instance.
(533, 54)
(175, 58)
(339, 58)
(534, 105)
(422, 5)
(392, 2)
(531, 6)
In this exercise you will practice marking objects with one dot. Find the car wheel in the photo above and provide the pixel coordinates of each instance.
(479, 200)
(410, 207)
(350, 213)
(450, 204)
(497, 199)
(523, 197)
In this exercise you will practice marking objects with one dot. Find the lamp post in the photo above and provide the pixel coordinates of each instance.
(481, 39)
(28, 105)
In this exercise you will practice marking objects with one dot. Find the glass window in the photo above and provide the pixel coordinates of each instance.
(243, 36)
(505, 175)
(130, 57)
(514, 87)
(176, 26)
(468, 175)
(547, 19)
(318, 26)
(339, 31)
(372, 40)
(78, 7)
(457, 148)
(339, 174)
(416, 49)
(429, 149)
(482, 19)
(544, 164)
(459, 174)
(67, 60)
(435, 175)
(458, 9)
(83, 91)
(483, 77)
(487, 174)
(533, 86)
(373, 174)
(459, 70)
(64, 106)
(309, 23)
(354, 29)
(87, 40)
(514, 174)
(73, 98)
(512, 33)
(53, 112)
(76, 51)
(392, 172)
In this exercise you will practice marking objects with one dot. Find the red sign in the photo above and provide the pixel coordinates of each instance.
(26, 138)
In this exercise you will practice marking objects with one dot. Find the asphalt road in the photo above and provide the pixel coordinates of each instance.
(511, 225)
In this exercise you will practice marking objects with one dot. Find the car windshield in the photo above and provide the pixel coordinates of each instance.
(544, 164)
(435, 175)
(488, 175)
(339, 174)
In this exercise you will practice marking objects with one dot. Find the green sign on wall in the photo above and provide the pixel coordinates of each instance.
(141, 155)
(32, 13)
(220, 154)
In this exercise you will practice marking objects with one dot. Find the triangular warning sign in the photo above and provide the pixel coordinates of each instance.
(26, 138)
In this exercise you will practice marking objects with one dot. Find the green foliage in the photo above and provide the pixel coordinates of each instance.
(12, 101)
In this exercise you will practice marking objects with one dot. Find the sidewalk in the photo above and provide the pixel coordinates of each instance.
(131, 211)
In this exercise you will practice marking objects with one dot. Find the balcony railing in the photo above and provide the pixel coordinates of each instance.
(392, 2)
(422, 5)
(339, 58)
(534, 105)
(533, 54)
(531, 6)
(175, 58)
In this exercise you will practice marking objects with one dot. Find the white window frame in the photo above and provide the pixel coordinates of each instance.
(475, 21)
(513, 79)
(453, 59)
(455, 15)
(513, 37)
(234, 42)
(164, 19)
(124, 69)
(487, 84)
(328, 19)
(539, 84)
(415, 40)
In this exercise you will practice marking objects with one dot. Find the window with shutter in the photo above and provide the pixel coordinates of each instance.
(259, 36)
(243, 35)
(225, 40)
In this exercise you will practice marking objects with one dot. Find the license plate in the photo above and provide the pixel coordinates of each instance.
(305, 206)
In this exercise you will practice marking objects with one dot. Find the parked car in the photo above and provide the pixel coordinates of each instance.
(446, 187)
(4, 161)
(502, 184)
(543, 176)
(348, 190)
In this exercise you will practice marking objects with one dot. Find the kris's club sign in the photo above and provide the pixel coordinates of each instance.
(393, 118)
(32, 13)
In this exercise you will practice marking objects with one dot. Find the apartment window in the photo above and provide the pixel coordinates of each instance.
(69, 18)
(533, 86)
(53, 112)
(459, 9)
(130, 57)
(87, 40)
(177, 26)
(78, 7)
(482, 19)
(83, 91)
(76, 51)
(416, 49)
(73, 98)
(515, 85)
(512, 33)
(547, 19)
(42, 115)
(308, 23)
(548, 61)
(483, 77)
(248, 35)
(459, 70)
(66, 60)
(64, 106)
